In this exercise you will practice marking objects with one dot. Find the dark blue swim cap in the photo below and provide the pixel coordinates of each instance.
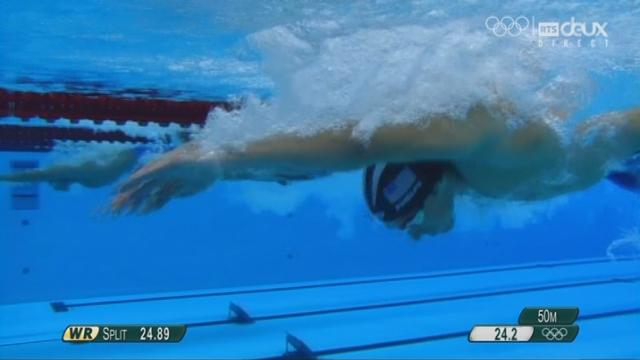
(396, 192)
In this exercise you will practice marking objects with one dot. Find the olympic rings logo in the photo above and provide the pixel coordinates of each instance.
(506, 25)
(554, 334)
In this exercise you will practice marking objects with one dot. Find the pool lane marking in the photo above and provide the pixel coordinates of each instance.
(418, 301)
(61, 306)
(437, 337)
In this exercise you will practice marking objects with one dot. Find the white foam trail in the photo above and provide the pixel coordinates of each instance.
(385, 62)
(482, 214)
(391, 63)
(340, 194)
(627, 246)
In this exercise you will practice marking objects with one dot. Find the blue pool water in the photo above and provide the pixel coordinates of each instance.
(315, 63)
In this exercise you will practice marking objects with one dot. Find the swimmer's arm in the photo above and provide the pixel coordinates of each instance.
(192, 168)
(438, 137)
(602, 141)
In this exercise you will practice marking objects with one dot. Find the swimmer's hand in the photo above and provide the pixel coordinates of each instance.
(179, 173)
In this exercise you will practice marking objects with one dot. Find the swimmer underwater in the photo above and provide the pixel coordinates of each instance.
(412, 171)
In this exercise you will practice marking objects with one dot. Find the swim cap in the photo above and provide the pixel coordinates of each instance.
(395, 192)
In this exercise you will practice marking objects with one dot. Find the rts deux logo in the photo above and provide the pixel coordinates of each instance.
(570, 33)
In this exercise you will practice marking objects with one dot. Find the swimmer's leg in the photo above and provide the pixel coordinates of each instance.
(91, 173)
(50, 175)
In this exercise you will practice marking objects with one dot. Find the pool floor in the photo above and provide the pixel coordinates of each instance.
(404, 316)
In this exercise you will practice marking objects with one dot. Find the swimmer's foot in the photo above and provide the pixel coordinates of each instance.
(179, 173)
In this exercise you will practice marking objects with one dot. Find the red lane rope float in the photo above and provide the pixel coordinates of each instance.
(99, 107)
(42, 138)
